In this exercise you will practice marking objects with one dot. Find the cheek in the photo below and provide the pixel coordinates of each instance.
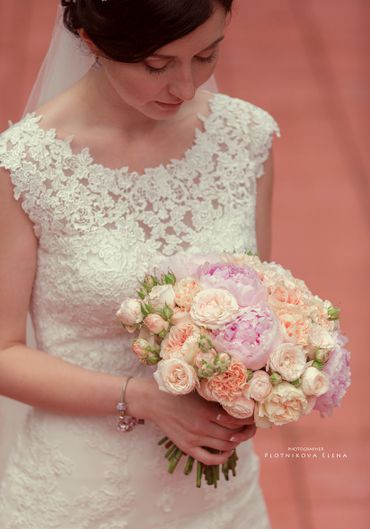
(204, 72)
(133, 84)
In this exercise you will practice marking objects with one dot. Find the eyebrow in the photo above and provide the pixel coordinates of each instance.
(163, 56)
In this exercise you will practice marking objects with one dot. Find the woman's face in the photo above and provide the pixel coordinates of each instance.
(159, 85)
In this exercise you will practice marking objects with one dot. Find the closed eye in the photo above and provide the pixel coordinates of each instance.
(208, 59)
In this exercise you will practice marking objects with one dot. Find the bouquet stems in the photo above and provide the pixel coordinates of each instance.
(210, 473)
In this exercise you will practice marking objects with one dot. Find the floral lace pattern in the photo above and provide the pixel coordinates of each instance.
(98, 230)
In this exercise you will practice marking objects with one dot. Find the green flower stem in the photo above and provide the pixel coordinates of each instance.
(225, 470)
(175, 460)
(214, 472)
(189, 465)
(199, 474)
(171, 451)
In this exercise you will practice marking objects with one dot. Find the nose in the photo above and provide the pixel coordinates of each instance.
(183, 85)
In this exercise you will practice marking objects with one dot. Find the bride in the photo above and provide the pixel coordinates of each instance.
(133, 163)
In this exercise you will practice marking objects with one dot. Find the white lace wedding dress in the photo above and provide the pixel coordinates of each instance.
(99, 230)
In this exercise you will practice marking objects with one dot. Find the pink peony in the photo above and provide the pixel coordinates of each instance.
(242, 281)
(251, 337)
(338, 371)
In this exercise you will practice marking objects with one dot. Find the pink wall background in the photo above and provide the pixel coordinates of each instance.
(307, 63)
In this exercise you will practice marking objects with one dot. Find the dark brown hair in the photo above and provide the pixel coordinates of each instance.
(131, 30)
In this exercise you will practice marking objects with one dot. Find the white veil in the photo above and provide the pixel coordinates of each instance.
(66, 61)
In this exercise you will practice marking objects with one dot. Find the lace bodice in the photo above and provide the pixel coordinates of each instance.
(98, 231)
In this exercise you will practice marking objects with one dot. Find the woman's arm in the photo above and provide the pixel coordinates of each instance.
(41, 380)
(26, 374)
(263, 210)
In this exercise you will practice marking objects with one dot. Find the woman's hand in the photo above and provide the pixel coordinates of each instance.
(191, 422)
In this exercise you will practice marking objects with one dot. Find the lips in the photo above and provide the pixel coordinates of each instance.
(177, 104)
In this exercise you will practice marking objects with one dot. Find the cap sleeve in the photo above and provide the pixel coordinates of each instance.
(18, 156)
(263, 128)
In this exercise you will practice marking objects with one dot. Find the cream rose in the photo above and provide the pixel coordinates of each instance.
(284, 404)
(155, 323)
(259, 386)
(213, 308)
(175, 376)
(289, 360)
(320, 337)
(259, 419)
(160, 296)
(241, 408)
(185, 291)
(314, 382)
(129, 313)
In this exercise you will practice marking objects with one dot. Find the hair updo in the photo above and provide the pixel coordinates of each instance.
(131, 30)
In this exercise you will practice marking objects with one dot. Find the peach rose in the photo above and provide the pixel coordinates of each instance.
(182, 342)
(175, 376)
(314, 382)
(240, 408)
(295, 324)
(289, 360)
(284, 404)
(259, 386)
(213, 308)
(160, 296)
(155, 323)
(205, 391)
(129, 313)
(185, 291)
(228, 386)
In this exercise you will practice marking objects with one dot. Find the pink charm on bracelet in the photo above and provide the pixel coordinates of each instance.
(125, 423)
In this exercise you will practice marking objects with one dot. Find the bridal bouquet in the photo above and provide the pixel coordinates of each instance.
(240, 332)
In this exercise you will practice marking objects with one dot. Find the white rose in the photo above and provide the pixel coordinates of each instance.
(260, 386)
(241, 408)
(213, 308)
(162, 295)
(175, 376)
(129, 313)
(284, 404)
(289, 360)
(314, 382)
(321, 338)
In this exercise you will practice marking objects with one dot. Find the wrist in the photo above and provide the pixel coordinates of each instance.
(138, 397)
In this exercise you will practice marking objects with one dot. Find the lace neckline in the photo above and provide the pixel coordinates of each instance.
(200, 136)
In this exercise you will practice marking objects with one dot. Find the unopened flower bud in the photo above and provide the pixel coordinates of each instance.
(275, 378)
(333, 313)
(321, 356)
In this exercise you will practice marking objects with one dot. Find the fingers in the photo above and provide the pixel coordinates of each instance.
(247, 433)
(226, 420)
(202, 455)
